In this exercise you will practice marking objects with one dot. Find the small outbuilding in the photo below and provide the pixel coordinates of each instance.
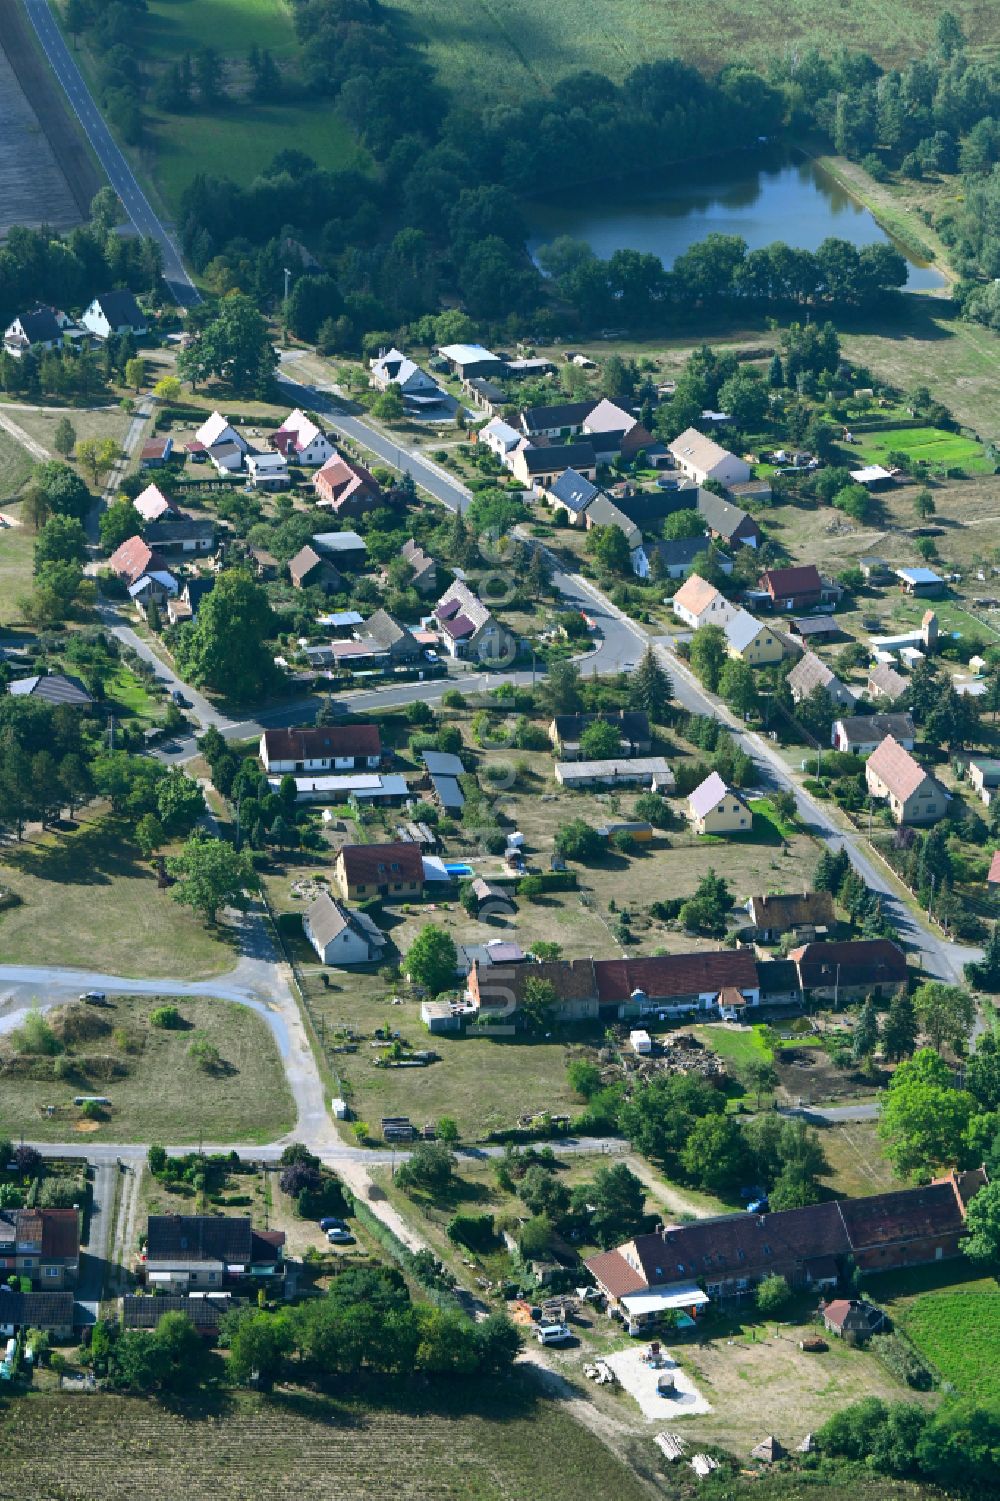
(854, 1320)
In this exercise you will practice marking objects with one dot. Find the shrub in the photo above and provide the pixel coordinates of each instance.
(167, 1017)
(475, 1231)
(903, 1361)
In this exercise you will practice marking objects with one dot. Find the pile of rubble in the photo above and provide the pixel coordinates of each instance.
(677, 1053)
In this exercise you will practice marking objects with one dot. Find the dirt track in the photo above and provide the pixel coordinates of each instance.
(49, 177)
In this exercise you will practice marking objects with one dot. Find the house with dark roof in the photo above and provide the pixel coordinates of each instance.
(392, 871)
(115, 313)
(500, 991)
(42, 328)
(539, 466)
(563, 420)
(210, 1252)
(140, 1311)
(319, 748)
(383, 635)
(571, 494)
(52, 688)
(42, 1245)
(850, 970)
(854, 1320)
(55, 1312)
(308, 570)
(340, 935)
(727, 522)
(180, 535)
(469, 629)
(913, 795)
(863, 733)
(797, 588)
(801, 912)
(635, 736)
(602, 511)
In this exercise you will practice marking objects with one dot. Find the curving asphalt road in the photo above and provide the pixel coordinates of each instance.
(120, 174)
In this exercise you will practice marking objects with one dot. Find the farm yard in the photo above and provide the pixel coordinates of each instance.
(158, 1090)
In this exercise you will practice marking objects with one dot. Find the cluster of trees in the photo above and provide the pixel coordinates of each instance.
(928, 1123)
(230, 343)
(225, 648)
(46, 761)
(955, 1446)
(609, 1208)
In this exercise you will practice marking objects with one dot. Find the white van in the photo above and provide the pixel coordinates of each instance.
(552, 1334)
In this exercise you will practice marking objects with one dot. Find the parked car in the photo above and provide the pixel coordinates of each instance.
(340, 1237)
(94, 997)
(331, 1223)
(179, 698)
(553, 1334)
(758, 1206)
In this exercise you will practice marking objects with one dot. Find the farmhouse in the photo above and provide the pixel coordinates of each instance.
(748, 640)
(43, 328)
(153, 505)
(341, 936)
(676, 982)
(571, 494)
(604, 512)
(52, 688)
(393, 368)
(912, 793)
(731, 1255)
(810, 673)
(216, 430)
(338, 747)
(471, 360)
(186, 605)
(177, 532)
(41, 1245)
(55, 1312)
(561, 421)
(863, 733)
(186, 1251)
(800, 912)
(396, 871)
(115, 313)
(346, 488)
(726, 522)
(642, 771)
(469, 628)
(702, 459)
(205, 1310)
(500, 990)
(849, 970)
(698, 603)
(300, 441)
(853, 1320)
(794, 588)
(715, 808)
(615, 432)
(635, 738)
(538, 468)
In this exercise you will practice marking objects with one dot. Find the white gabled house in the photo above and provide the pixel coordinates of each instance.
(43, 328)
(301, 441)
(394, 368)
(115, 313)
(217, 429)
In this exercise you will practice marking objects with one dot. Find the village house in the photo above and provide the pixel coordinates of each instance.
(571, 494)
(500, 438)
(470, 630)
(863, 733)
(217, 430)
(635, 737)
(499, 990)
(185, 606)
(715, 808)
(115, 313)
(750, 641)
(177, 532)
(392, 871)
(615, 433)
(914, 796)
(850, 970)
(155, 453)
(42, 1245)
(134, 558)
(41, 329)
(854, 1320)
(726, 522)
(393, 368)
(334, 747)
(674, 558)
(227, 458)
(346, 488)
(805, 913)
(155, 588)
(340, 936)
(385, 636)
(698, 603)
(539, 467)
(678, 983)
(53, 1312)
(794, 588)
(810, 673)
(309, 570)
(207, 1251)
(205, 1310)
(702, 459)
(885, 682)
(729, 1256)
(602, 511)
(153, 505)
(300, 441)
(52, 688)
(641, 771)
(562, 421)
(268, 471)
(424, 576)
(809, 628)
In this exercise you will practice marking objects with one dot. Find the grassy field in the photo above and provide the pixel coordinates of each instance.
(958, 1331)
(857, 1166)
(501, 1445)
(17, 551)
(934, 445)
(164, 1095)
(178, 26)
(88, 890)
(16, 465)
(486, 49)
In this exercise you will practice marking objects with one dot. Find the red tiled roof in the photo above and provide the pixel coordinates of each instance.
(993, 879)
(323, 740)
(614, 1274)
(672, 975)
(907, 1214)
(380, 863)
(134, 558)
(60, 1233)
(896, 768)
(782, 582)
(872, 961)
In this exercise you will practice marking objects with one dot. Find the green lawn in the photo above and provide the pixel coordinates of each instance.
(128, 692)
(16, 465)
(173, 27)
(959, 1332)
(738, 1047)
(17, 551)
(158, 1092)
(934, 445)
(89, 901)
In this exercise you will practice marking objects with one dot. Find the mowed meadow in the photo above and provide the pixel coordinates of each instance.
(485, 48)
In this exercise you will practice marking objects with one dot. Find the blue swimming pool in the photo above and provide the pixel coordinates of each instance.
(458, 870)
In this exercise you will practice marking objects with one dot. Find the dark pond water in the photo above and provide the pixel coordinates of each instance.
(762, 196)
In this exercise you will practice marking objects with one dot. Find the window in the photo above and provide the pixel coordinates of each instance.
(27, 1261)
(52, 1271)
(359, 889)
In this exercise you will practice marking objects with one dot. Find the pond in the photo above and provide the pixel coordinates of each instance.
(763, 196)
